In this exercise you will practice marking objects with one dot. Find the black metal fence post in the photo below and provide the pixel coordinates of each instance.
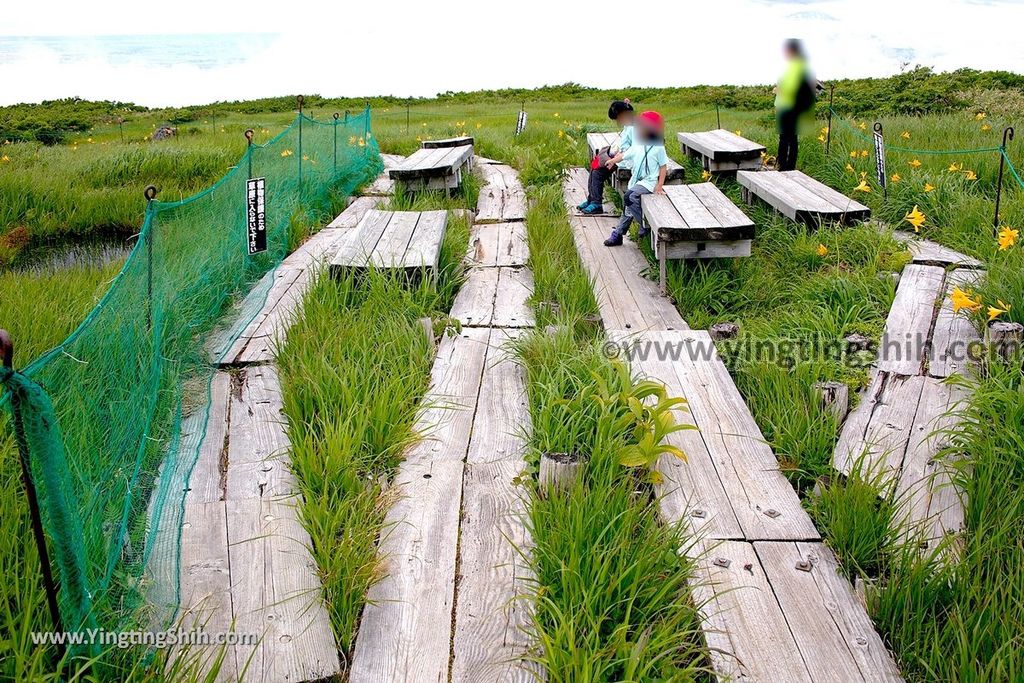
(336, 117)
(1007, 136)
(408, 117)
(248, 148)
(828, 132)
(120, 127)
(718, 115)
(150, 194)
(300, 100)
(7, 355)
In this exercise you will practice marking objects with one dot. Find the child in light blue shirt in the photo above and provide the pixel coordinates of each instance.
(649, 162)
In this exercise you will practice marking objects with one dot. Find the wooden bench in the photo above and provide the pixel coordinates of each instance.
(409, 241)
(620, 180)
(447, 142)
(695, 221)
(433, 169)
(800, 197)
(722, 150)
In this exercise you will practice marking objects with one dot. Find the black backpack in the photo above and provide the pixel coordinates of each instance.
(805, 96)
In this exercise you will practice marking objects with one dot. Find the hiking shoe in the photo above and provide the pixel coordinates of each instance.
(584, 205)
(613, 241)
(641, 234)
(592, 208)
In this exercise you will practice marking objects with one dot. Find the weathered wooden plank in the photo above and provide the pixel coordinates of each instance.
(932, 253)
(483, 247)
(350, 217)
(930, 506)
(492, 617)
(405, 629)
(447, 142)
(254, 321)
(394, 241)
(954, 337)
(574, 191)
(474, 304)
(746, 631)
(834, 636)
(383, 185)
(279, 317)
(355, 252)
(720, 206)
(711, 249)
(511, 307)
(721, 145)
(879, 428)
(692, 220)
(275, 593)
(429, 163)
(598, 141)
(204, 433)
(800, 197)
(425, 245)
(513, 248)
(904, 343)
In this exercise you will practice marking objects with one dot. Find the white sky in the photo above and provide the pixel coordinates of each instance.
(367, 47)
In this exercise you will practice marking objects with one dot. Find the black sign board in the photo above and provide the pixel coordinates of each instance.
(256, 214)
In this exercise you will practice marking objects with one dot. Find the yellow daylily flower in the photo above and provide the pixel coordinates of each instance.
(863, 175)
(824, 131)
(915, 163)
(479, 125)
(853, 154)
(863, 125)
(915, 218)
(980, 115)
(352, 139)
(928, 187)
(822, 250)
(821, 138)
(1007, 236)
(850, 168)
(561, 133)
(896, 177)
(955, 167)
(905, 135)
(864, 153)
(738, 132)
(556, 114)
(287, 153)
(970, 175)
(863, 186)
(424, 124)
(996, 311)
(305, 157)
(362, 142)
(964, 300)
(5, 158)
(705, 175)
(985, 128)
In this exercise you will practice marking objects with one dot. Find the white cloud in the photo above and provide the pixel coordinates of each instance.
(419, 48)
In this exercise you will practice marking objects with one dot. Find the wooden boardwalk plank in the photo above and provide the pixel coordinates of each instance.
(474, 304)
(954, 336)
(502, 198)
(492, 617)
(904, 343)
(511, 307)
(878, 430)
(400, 240)
(447, 142)
(931, 253)
(383, 185)
(405, 631)
(800, 197)
(722, 150)
(350, 217)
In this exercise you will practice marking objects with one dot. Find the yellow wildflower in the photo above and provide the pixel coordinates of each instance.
(864, 153)
(305, 157)
(738, 132)
(955, 167)
(479, 125)
(905, 135)
(980, 115)
(970, 175)
(705, 175)
(821, 138)
(985, 128)
(5, 158)
(964, 300)
(352, 139)
(996, 311)
(896, 177)
(1007, 236)
(362, 142)
(850, 168)
(915, 163)
(561, 133)
(556, 114)
(824, 131)
(862, 125)
(915, 218)
(287, 153)
(928, 187)
(822, 250)
(863, 186)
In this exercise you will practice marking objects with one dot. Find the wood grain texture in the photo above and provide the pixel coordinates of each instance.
(350, 217)
(492, 617)
(801, 198)
(474, 304)
(904, 344)
(932, 253)
(954, 336)
(502, 196)
(511, 299)
(432, 163)
(405, 631)
(721, 145)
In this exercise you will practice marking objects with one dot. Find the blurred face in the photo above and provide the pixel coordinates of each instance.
(647, 133)
(625, 118)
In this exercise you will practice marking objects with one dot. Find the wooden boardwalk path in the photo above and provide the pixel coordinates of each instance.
(502, 198)
(450, 604)
(899, 427)
(773, 604)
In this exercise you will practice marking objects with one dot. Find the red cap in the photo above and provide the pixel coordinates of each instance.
(653, 119)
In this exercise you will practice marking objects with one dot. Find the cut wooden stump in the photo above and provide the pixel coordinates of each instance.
(1004, 338)
(558, 471)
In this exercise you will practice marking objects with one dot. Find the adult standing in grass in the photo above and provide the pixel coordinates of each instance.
(601, 169)
(793, 96)
(649, 161)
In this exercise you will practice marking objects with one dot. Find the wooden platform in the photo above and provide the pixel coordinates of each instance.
(447, 142)
(433, 169)
(899, 427)
(695, 221)
(675, 174)
(502, 197)
(800, 197)
(245, 564)
(722, 150)
(408, 241)
(773, 605)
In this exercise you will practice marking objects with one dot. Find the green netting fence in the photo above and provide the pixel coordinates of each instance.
(103, 411)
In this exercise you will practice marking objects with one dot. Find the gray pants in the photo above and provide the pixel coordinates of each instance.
(632, 210)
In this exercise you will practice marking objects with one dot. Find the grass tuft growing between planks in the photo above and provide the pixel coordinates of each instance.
(611, 596)
(354, 368)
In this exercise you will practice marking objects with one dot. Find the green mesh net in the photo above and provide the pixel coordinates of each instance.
(103, 411)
